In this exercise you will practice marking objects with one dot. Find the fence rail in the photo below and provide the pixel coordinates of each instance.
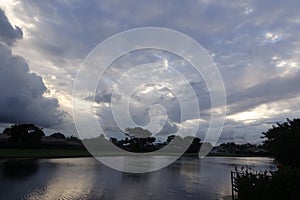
(234, 175)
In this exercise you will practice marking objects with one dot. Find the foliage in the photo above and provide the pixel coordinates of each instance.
(73, 139)
(278, 185)
(138, 140)
(137, 132)
(141, 140)
(283, 142)
(242, 149)
(24, 135)
(252, 185)
(58, 136)
(193, 143)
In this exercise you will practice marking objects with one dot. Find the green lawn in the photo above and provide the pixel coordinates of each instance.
(42, 153)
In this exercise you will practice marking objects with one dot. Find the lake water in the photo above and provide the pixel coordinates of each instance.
(84, 178)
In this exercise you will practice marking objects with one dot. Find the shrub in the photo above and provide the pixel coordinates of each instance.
(278, 185)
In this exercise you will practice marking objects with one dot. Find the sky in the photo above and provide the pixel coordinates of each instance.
(254, 44)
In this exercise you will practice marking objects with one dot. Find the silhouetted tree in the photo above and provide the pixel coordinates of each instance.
(24, 135)
(178, 142)
(114, 141)
(195, 144)
(58, 136)
(137, 132)
(73, 139)
(138, 140)
(283, 142)
(170, 138)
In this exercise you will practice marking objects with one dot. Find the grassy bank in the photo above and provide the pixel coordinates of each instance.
(235, 155)
(43, 153)
(71, 153)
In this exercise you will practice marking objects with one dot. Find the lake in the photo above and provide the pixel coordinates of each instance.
(84, 178)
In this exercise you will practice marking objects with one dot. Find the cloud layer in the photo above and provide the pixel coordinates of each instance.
(255, 45)
(22, 92)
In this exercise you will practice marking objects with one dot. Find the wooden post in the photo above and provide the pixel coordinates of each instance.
(232, 185)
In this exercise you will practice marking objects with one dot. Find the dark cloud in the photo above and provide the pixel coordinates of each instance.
(21, 99)
(8, 33)
(100, 97)
(21, 91)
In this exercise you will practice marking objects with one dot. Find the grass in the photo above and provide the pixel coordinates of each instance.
(43, 153)
(72, 153)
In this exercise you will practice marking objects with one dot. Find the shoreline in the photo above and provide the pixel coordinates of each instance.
(6, 153)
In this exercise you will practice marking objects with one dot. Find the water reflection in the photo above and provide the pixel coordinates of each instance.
(84, 178)
(71, 180)
(19, 169)
(217, 171)
(138, 163)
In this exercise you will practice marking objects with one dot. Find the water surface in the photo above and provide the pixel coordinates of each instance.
(84, 178)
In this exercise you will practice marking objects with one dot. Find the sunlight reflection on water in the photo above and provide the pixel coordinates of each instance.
(85, 178)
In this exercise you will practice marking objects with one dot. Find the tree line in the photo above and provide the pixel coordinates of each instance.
(136, 139)
(30, 136)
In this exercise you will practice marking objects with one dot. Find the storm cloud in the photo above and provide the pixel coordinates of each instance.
(22, 91)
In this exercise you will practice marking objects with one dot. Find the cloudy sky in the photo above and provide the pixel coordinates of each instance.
(255, 45)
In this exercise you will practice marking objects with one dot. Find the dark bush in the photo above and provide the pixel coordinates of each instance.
(279, 185)
(283, 142)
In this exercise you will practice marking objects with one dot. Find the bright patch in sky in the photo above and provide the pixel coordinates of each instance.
(255, 44)
(271, 37)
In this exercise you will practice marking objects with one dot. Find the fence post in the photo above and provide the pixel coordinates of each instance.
(232, 185)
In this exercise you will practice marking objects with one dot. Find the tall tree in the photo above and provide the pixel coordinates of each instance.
(283, 140)
(24, 135)
(140, 140)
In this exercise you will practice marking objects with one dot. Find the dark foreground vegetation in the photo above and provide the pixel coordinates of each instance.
(283, 142)
(28, 140)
